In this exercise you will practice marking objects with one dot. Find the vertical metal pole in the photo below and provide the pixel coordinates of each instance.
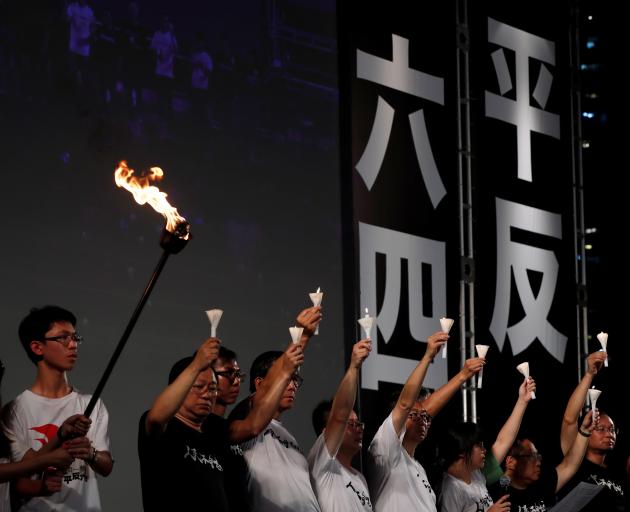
(578, 191)
(464, 167)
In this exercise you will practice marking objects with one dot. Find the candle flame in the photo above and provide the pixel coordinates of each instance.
(143, 192)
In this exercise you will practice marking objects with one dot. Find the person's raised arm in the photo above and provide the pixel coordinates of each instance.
(437, 400)
(572, 460)
(268, 395)
(411, 390)
(576, 402)
(345, 396)
(509, 431)
(171, 398)
(309, 319)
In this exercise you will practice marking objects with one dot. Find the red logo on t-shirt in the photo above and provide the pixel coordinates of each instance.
(49, 430)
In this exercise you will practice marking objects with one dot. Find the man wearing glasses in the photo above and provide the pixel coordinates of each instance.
(340, 487)
(533, 485)
(594, 468)
(181, 456)
(278, 479)
(51, 342)
(397, 480)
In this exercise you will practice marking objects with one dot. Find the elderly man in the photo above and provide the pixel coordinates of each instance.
(594, 468)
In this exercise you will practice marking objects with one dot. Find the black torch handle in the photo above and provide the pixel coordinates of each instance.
(127, 333)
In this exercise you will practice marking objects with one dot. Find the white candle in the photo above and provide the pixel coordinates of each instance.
(316, 298)
(214, 316)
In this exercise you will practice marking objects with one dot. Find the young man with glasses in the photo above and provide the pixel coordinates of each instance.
(594, 468)
(278, 478)
(340, 487)
(397, 480)
(36, 418)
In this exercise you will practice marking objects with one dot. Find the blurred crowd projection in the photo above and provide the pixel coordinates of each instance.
(136, 63)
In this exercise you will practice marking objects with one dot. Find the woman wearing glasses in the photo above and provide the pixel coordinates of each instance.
(464, 484)
(338, 486)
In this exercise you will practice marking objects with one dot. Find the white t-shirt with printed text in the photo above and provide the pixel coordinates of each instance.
(396, 480)
(458, 496)
(338, 488)
(278, 478)
(33, 421)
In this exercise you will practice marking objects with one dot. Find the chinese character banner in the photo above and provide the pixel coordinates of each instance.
(523, 204)
(400, 168)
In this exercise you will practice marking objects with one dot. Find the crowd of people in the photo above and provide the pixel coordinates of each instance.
(194, 455)
(134, 66)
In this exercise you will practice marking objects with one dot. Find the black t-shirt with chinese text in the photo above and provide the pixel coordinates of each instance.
(540, 496)
(235, 475)
(183, 469)
(610, 498)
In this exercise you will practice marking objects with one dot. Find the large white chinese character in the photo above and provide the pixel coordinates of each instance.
(396, 74)
(397, 246)
(518, 112)
(519, 258)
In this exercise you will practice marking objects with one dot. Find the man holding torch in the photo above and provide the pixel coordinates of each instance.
(36, 418)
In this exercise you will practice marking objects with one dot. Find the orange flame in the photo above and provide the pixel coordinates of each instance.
(143, 192)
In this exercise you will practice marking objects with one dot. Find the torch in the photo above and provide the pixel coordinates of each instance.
(175, 236)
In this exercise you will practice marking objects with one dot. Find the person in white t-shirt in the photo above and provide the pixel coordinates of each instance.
(340, 487)
(58, 459)
(464, 485)
(36, 418)
(397, 481)
(278, 479)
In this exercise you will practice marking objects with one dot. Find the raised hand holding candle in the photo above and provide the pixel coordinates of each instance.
(603, 339)
(214, 316)
(446, 324)
(366, 322)
(296, 333)
(593, 395)
(316, 298)
(482, 350)
(524, 369)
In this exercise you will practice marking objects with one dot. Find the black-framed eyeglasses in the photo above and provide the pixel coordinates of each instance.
(420, 415)
(610, 430)
(356, 425)
(200, 389)
(65, 339)
(530, 456)
(231, 374)
(297, 380)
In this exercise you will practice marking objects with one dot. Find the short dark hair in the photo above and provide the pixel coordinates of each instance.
(518, 448)
(39, 321)
(261, 366)
(460, 439)
(226, 354)
(393, 398)
(320, 415)
(179, 367)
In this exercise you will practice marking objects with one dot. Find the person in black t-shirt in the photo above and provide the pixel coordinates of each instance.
(530, 484)
(594, 468)
(181, 462)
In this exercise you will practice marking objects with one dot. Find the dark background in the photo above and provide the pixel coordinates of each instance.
(257, 174)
